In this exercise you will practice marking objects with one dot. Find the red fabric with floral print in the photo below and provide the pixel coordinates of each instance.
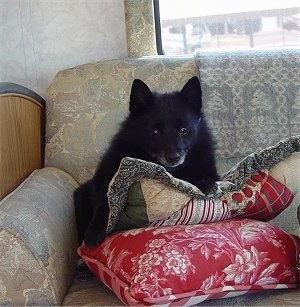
(193, 263)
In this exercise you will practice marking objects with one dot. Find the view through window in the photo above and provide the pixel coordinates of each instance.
(189, 25)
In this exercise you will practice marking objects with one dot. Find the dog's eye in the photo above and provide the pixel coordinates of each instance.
(184, 131)
(155, 132)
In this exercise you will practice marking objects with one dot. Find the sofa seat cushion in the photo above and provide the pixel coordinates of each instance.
(94, 293)
(193, 263)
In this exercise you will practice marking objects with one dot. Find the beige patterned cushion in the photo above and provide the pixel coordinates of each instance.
(38, 240)
(85, 105)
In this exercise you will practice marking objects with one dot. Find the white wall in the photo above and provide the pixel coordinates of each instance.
(40, 37)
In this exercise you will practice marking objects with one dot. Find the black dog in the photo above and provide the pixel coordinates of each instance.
(169, 129)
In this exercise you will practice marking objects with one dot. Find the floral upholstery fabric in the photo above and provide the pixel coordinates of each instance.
(252, 98)
(19, 266)
(140, 28)
(86, 104)
(38, 240)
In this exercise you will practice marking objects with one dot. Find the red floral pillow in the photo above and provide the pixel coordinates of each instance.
(188, 264)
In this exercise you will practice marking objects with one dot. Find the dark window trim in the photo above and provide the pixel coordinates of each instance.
(157, 25)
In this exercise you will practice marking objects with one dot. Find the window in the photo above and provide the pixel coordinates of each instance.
(184, 26)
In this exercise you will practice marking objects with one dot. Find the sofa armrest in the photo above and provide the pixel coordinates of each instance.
(38, 239)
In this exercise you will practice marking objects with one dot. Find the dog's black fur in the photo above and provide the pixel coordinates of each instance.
(169, 129)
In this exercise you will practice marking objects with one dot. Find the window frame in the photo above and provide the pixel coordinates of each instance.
(157, 26)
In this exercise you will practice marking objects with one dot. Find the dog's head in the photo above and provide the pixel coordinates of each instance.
(166, 125)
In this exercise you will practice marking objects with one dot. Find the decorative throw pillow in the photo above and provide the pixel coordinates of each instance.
(143, 193)
(261, 198)
(189, 264)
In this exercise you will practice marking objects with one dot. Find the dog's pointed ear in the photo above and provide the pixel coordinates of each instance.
(140, 96)
(191, 93)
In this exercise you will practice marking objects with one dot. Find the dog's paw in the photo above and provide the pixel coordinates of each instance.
(93, 239)
(207, 186)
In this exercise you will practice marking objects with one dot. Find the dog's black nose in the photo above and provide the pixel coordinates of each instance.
(173, 159)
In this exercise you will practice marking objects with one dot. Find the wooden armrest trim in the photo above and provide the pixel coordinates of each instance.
(22, 134)
(13, 89)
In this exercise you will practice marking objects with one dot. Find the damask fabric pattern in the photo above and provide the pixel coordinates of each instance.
(86, 104)
(251, 98)
(140, 28)
(38, 239)
(24, 279)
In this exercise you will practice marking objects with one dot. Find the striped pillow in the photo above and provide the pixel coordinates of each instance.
(261, 198)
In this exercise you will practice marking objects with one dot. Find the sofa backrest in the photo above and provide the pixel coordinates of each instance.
(86, 104)
(251, 99)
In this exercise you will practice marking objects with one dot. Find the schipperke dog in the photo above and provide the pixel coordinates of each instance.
(168, 129)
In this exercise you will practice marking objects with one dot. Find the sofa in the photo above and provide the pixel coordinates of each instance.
(252, 101)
